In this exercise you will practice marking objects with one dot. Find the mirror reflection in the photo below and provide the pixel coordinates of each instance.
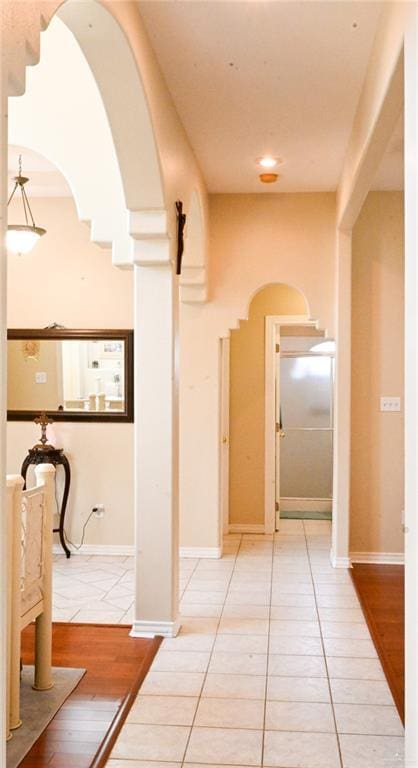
(68, 375)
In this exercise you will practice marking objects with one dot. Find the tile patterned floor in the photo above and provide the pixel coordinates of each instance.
(93, 589)
(273, 666)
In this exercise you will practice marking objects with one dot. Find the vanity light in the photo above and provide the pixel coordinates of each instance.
(21, 238)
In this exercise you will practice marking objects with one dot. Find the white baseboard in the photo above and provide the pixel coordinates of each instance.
(208, 552)
(123, 550)
(305, 505)
(379, 558)
(153, 628)
(238, 528)
(340, 562)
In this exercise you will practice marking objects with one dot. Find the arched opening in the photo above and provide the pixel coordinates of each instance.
(256, 366)
(70, 280)
(70, 113)
(79, 121)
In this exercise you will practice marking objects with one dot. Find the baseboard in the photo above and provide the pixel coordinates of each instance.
(123, 550)
(155, 628)
(204, 552)
(305, 505)
(238, 528)
(340, 562)
(379, 558)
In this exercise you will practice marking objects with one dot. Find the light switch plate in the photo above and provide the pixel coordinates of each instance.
(390, 403)
(40, 377)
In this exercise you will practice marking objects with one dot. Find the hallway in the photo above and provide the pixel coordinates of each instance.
(273, 666)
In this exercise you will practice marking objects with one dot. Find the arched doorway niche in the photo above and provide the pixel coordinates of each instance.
(252, 413)
(247, 402)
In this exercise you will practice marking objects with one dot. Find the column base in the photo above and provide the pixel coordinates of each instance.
(153, 628)
(340, 562)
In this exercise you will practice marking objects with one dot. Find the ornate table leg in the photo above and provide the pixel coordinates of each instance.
(60, 530)
(24, 469)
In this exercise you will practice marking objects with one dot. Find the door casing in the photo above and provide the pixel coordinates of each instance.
(272, 325)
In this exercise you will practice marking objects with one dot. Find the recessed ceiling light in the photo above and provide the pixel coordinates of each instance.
(267, 161)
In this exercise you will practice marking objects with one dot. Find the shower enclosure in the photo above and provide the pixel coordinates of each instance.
(304, 418)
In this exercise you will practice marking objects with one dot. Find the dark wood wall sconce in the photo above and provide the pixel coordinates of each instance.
(181, 223)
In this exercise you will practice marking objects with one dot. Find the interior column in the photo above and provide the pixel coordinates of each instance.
(342, 405)
(156, 451)
(3, 388)
(411, 388)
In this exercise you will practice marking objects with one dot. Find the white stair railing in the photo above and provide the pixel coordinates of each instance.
(30, 514)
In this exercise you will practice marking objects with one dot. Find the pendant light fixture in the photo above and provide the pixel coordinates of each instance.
(21, 238)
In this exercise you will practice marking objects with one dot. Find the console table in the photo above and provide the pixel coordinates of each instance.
(48, 454)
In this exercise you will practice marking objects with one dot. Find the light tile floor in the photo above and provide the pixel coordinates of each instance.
(93, 589)
(273, 666)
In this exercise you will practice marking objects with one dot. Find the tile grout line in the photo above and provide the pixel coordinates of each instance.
(268, 656)
(210, 655)
(192, 573)
(325, 657)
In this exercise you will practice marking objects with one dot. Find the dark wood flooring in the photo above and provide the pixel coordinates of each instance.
(380, 589)
(116, 665)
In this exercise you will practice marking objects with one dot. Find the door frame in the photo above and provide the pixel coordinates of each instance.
(272, 323)
(224, 434)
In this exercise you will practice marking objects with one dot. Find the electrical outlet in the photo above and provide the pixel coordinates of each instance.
(98, 510)
(390, 404)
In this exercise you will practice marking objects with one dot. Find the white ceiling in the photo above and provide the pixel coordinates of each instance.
(45, 180)
(254, 78)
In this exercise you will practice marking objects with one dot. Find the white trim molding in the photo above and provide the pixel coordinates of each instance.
(114, 550)
(288, 504)
(340, 562)
(273, 323)
(199, 552)
(246, 528)
(154, 628)
(380, 558)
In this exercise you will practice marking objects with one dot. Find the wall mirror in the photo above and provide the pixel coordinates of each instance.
(73, 375)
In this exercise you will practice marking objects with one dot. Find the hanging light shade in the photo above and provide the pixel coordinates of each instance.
(21, 238)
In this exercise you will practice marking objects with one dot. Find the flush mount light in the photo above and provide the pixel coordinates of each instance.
(21, 238)
(268, 178)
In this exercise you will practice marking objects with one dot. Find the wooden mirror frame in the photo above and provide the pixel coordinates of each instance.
(50, 334)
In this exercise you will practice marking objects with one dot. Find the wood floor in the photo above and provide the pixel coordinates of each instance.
(114, 662)
(381, 592)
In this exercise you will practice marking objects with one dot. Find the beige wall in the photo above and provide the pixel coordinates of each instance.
(247, 402)
(69, 280)
(255, 240)
(377, 456)
(23, 391)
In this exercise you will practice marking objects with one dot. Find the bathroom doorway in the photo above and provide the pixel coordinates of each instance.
(304, 423)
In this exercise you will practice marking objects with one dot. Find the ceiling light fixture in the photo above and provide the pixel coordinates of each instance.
(268, 178)
(21, 238)
(268, 162)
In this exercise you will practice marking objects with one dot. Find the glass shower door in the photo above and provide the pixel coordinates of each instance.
(306, 390)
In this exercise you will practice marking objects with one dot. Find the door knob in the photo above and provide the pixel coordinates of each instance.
(282, 434)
